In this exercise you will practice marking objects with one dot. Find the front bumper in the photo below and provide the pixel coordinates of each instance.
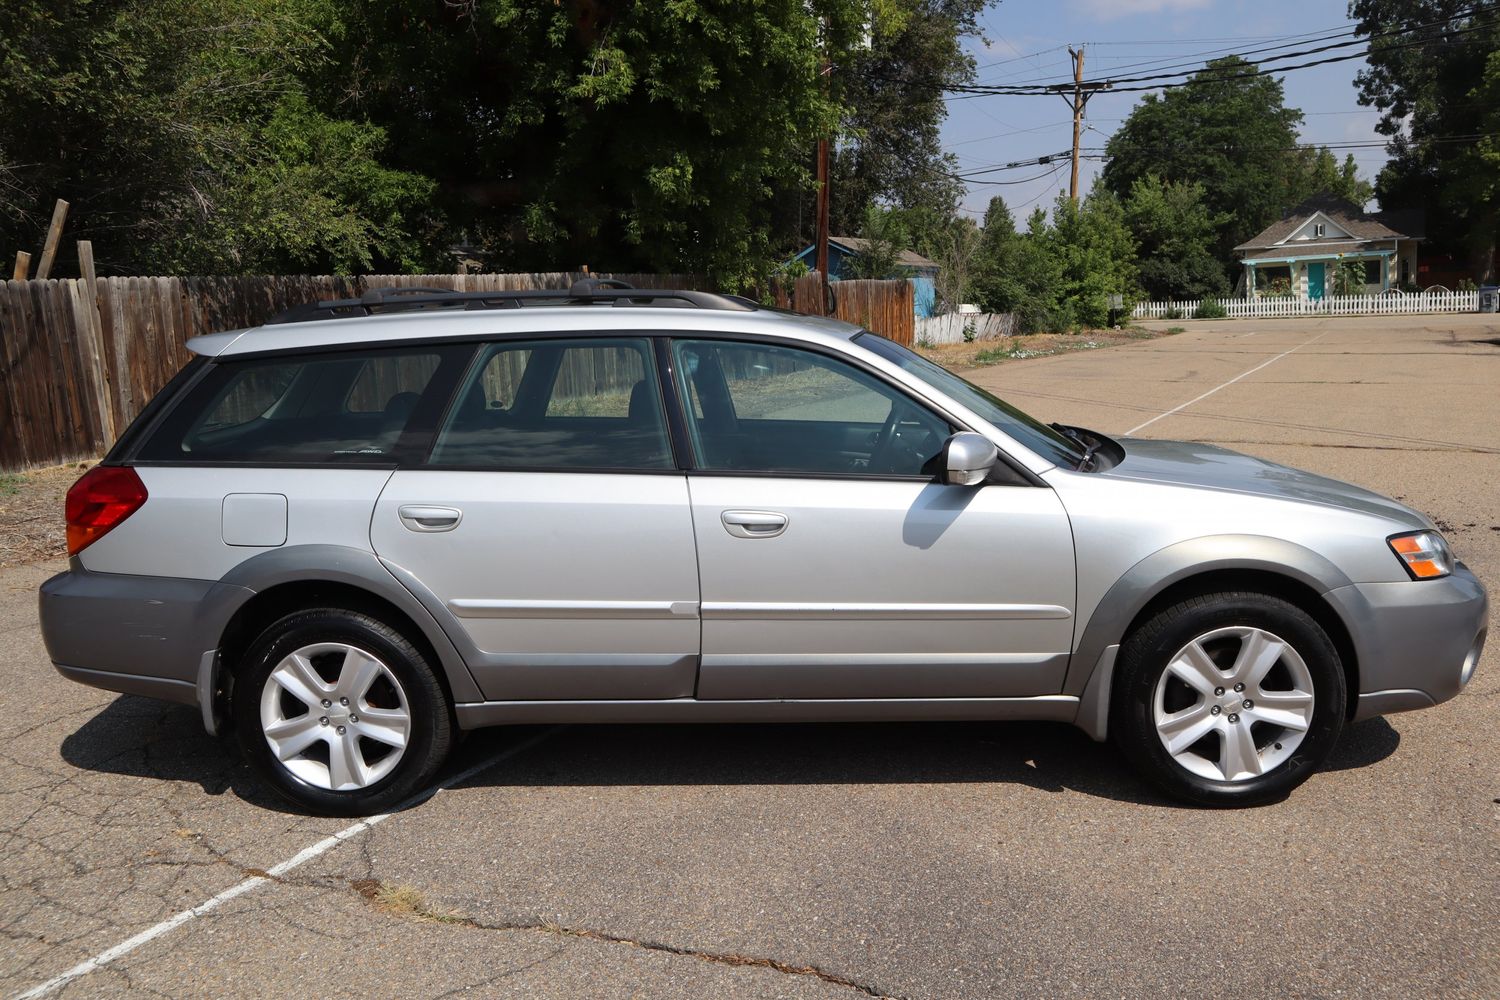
(1417, 641)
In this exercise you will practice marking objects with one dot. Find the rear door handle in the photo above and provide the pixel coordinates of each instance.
(419, 518)
(753, 523)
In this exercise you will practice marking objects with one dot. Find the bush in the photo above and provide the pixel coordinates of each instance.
(1210, 309)
(1173, 313)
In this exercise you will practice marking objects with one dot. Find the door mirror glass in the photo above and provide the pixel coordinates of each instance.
(968, 459)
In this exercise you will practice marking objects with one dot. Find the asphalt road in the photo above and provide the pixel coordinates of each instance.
(963, 860)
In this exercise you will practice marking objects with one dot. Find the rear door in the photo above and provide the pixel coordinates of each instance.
(550, 526)
(834, 565)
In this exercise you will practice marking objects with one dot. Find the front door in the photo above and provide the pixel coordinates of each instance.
(1316, 278)
(832, 563)
(550, 528)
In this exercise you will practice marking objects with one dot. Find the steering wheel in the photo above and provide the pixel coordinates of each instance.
(886, 437)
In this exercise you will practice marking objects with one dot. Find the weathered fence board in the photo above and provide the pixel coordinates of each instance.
(956, 328)
(1269, 307)
(885, 307)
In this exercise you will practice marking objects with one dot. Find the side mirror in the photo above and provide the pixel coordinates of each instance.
(968, 459)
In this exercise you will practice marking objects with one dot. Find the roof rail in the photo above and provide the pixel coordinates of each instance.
(587, 291)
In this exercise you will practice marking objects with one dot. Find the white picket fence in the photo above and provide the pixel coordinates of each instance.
(949, 328)
(1332, 305)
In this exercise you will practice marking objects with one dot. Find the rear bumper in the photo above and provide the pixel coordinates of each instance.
(1418, 642)
(140, 635)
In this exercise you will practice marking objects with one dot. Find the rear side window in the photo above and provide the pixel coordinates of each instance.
(559, 404)
(348, 407)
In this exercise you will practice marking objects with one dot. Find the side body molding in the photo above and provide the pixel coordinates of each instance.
(1155, 573)
(337, 564)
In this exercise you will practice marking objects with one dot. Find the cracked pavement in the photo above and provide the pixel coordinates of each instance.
(959, 860)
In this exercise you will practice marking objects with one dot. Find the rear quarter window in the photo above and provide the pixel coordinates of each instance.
(314, 409)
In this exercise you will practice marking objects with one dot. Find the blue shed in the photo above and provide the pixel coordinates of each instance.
(921, 272)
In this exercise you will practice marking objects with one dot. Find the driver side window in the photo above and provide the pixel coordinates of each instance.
(765, 408)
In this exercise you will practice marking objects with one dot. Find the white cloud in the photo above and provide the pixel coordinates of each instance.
(1111, 10)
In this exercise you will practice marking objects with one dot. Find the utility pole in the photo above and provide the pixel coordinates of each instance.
(1081, 92)
(821, 242)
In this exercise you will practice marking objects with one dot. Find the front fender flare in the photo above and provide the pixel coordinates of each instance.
(1141, 584)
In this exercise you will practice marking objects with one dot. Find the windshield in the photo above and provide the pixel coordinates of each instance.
(1023, 427)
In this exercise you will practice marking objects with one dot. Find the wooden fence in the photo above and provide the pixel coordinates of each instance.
(1267, 306)
(957, 328)
(79, 359)
(884, 307)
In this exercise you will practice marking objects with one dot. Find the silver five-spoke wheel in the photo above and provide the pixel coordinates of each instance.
(1233, 703)
(335, 716)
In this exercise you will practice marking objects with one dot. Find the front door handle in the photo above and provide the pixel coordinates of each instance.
(419, 518)
(753, 523)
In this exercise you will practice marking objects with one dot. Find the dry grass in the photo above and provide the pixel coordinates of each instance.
(1036, 345)
(401, 900)
(31, 513)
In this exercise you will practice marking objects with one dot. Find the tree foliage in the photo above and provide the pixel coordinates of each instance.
(1432, 73)
(1229, 132)
(183, 135)
(892, 96)
(885, 237)
(1174, 235)
(243, 135)
(1060, 274)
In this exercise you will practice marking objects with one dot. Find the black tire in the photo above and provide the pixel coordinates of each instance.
(430, 732)
(1145, 656)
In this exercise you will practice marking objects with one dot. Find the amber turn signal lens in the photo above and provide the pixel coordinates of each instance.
(1424, 554)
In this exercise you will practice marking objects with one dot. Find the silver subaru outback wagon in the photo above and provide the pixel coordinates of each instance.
(370, 523)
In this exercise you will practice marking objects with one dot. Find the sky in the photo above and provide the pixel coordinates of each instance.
(1026, 41)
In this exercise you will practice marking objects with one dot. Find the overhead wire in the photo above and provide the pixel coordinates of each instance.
(1167, 78)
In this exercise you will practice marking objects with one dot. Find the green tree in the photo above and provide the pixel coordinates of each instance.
(997, 281)
(182, 134)
(1431, 74)
(892, 96)
(1039, 275)
(629, 136)
(1174, 235)
(1227, 131)
(885, 236)
(1097, 256)
(1322, 173)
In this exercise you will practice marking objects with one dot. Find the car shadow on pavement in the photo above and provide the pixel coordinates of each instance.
(1050, 757)
(148, 739)
(145, 738)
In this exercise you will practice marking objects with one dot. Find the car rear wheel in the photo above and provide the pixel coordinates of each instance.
(1229, 698)
(340, 713)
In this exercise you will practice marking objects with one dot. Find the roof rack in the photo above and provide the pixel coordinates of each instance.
(588, 291)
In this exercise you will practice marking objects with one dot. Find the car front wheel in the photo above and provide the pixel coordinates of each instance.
(340, 713)
(1229, 698)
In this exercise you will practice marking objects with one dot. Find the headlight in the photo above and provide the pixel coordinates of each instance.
(1425, 554)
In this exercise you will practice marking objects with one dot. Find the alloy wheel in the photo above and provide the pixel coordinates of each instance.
(335, 716)
(1233, 704)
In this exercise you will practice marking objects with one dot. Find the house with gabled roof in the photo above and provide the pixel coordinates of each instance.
(919, 270)
(1301, 252)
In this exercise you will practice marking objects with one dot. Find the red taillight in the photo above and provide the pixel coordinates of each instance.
(105, 496)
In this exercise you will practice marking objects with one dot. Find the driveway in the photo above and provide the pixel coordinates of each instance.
(137, 856)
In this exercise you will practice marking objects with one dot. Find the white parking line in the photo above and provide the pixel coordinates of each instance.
(256, 881)
(1252, 371)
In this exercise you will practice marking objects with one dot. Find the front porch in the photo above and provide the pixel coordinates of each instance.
(1316, 276)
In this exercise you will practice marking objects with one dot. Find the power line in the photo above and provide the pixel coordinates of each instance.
(1195, 60)
(1034, 162)
(1167, 79)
